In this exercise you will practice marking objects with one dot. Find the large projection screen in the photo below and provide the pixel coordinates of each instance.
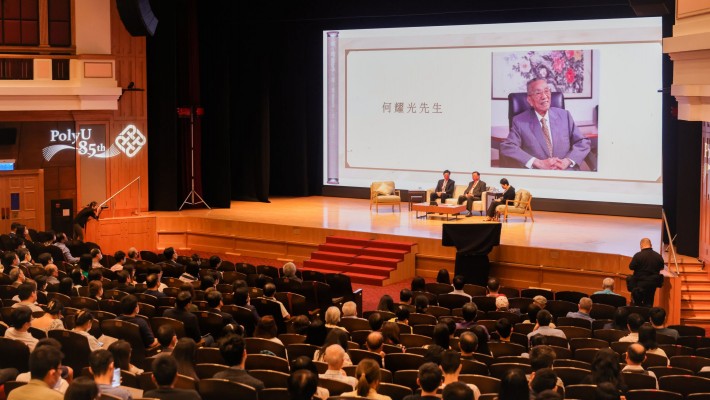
(405, 104)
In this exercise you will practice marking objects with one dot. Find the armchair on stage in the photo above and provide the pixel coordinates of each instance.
(384, 193)
(519, 206)
(479, 206)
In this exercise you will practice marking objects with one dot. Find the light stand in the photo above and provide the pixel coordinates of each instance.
(192, 113)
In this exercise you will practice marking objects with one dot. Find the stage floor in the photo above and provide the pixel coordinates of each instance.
(563, 231)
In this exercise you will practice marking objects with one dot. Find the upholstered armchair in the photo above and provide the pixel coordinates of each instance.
(384, 193)
(479, 206)
(519, 206)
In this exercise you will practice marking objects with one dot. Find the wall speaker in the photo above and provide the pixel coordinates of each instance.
(137, 17)
(649, 8)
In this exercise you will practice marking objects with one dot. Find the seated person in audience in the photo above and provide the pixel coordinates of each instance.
(207, 282)
(657, 318)
(429, 378)
(544, 379)
(269, 290)
(62, 244)
(125, 283)
(386, 303)
(96, 258)
(441, 336)
(607, 287)
(27, 294)
(418, 284)
(241, 299)
(82, 388)
(503, 305)
(65, 373)
(16, 276)
(214, 305)
(514, 385)
(458, 287)
(266, 329)
(374, 343)
(457, 391)
(544, 318)
(165, 376)
(214, 262)
(633, 323)
(171, 257)
(607, 391)
(469, 312)
(302, 384)
(129, 309)
(132, 256)
(21, 318)
(433, 353)
(405, 296)
(483, 337)
(375, 320)
(334, 336)
(305, 363)
(585, 307)
(349, 309)
(52, 273)
(647, 338)
(52, 319)
(85, 263)
(421, 303)
(493, 286)
(120, 258)
(121, 351)
(468, 342)
(289, 271)
(390, 333)
(504, 329)
(152, 283)
(167, 338)
(368, 378)
(335, 357)
(45, 364)
(184, 354)
(635, 356)
(300, 324)
(541, 301)
(78, 280)
(332, 318)
(96, 290)
(606, 368)
(451, 367)
(25, 260)
(542, 357)
(402, 317)
(101, 366)
(45, 259)
(619, 319)
(181, 313)
(82, 325)
(158, 270)
(536, 340)
(235, 355)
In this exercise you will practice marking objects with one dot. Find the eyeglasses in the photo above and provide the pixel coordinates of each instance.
(538, 92)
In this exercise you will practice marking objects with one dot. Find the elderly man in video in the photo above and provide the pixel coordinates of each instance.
(545, 137)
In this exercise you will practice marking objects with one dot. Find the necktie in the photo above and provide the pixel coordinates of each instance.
(546, 132)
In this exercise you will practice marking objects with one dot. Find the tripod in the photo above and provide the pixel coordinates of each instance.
(192, 112)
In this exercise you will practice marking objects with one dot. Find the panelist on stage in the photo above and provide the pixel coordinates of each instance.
(93, 210)
(545, 137)
(473, 192)
(444, 188)
(508, 194)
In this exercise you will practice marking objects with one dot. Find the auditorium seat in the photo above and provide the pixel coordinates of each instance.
(521, 205)
(474, 290)
(580, 392)
(639, 381)
(271, 379)
(413, 340)
(573, 332)
(263, 361)
(209, 355)
(423, 330)
(358, 355)
(564, 362)
(485, 384)
(77, 350)
(220, 389)
(532, 292)
(666, 371)
(570, 296)
(383, 193)
(129, 332)
(578, 322)
(257, 345)
(397, 362)
(396, 392)
(421, 319)
(688, 330)
(684, 384)
(438, 288)
(513, 318)
(613, 300)
(610, 335)
(15, 354)
(652, 394)
(560, 308)
(208, 370)
(693, 363)
(587, 343)
(335, 388)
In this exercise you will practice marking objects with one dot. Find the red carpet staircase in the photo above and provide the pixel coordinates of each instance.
(365, 261)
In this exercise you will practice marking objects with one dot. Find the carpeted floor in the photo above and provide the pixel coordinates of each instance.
(370, 294)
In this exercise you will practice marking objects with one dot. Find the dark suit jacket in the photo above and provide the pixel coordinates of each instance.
(526, 139)
(509, 194)
(449, 189)
(477, 191)
(240, 376)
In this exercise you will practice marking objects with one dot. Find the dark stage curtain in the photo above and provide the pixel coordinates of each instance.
(473, 242)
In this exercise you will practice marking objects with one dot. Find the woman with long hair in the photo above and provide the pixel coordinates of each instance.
(121, 351)
(386, 303)
(96, 290)
(441, 336)
(418, 284)
(184, 353)
(647, 338)
(82, 388)
(305, 363)
(421, 303)
(443, 276)
(605, 368)
(66, 286)
(266, 329)
(52, 319)
(82, 325)
(482, 336)
(368, 378)
(514, 386)
(390, 332)
(316, 333)
(335, 336)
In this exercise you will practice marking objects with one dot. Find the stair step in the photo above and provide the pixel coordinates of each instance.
(349, 241)
(406, 246)
(387, 253)
(379, 261)
(370, 269)
(330, 256)
(365, 279)
(324, 266)
(340, 248)
(696, 287)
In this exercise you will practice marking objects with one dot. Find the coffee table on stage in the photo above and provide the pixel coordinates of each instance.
(446, 209)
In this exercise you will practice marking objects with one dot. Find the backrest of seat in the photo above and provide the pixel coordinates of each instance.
(525, 197)
(76, 348)
(15, 354)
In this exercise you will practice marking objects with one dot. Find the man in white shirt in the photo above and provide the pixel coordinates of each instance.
(451, 367)
(335, 357)
(458, 287)
(21, 319)
(61, 243)
(635, 356)
(27, 294)
(269, 290)
(101, 366)
(634, 322)
(120, 258)
(543, 326)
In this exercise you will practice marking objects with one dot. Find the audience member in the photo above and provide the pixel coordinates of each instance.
(215, 304)
(235, 355)
(316, 333)
(635, 356)
(165, 371)
(483, 337)
(619, 319)
(269, 290)
(390, 332)
(61, 243)
(647, 338)
(441, 336)
(302, 385)
(504, 329)
(421, 303)
(101, 366)
(451, 367)
(458, 287)
(305, 363)
(386, 303)
(184, 353)
(368, 378)
(332, 318)
(167, 338)
(82, 388)
(335, 357)
(657, 317)
(457, 391)
(633, 323)
(374, 343)
(289, 271)
(544, 318)
(541, 301)
(607, 287)
(405, 296)
(433, 354)
(181, 313)
(585, 307)
(266, 329)
(52, 318)
(121, 351)
(402, 317)
(607, 391)
(418, 284)
(152, 282)
(468, 342)
(120, 258)
(65, 373)
(429, 379)
(52, 273)
(443, 277)
(375, 320)
(21, 318)
(349, 309)
(493, 286)
(45, 364)
(335, 336)
(544, 379)
(514, 386)
(83, 321)
(129, 309)
(469, 312)
(605, 368)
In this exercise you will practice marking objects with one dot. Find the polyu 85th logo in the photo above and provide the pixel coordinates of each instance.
(129, 142)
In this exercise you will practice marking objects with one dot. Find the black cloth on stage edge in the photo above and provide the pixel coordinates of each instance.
(473, 242)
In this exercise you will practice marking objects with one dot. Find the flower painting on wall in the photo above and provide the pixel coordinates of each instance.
(566, 71)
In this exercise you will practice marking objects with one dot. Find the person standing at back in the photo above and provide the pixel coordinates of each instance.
(647, 266)
(93, 210)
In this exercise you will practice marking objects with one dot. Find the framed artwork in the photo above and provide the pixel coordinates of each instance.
(566, 71)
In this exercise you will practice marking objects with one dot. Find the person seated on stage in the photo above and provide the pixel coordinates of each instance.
(633, 323)
(607, 287)
(458, 287)
(473, 192)
(657, 317)
(508, 194)
(444, 188)
(289, 271)
(493, 286)
(585, 307)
